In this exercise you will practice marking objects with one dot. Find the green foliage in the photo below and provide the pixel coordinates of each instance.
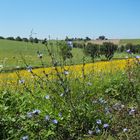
(18, 38)
(108, 49)
(65, 50)
(92, 50)
(100, 106)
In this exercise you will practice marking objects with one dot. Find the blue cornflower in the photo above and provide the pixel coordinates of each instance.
(25, 138)
(54, 121)
(98, 121)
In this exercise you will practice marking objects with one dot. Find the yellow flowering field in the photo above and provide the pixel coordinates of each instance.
(74, 71)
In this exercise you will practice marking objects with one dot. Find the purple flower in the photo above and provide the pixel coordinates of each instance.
(54, 121)
(25, 138)
(137, 57)
(128, 51)
(36, 112)
(90, 132)
(105, 125)
(98, 121)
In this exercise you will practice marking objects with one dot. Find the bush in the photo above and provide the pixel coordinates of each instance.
(10, 38)
(108, 49)
(18, 39)
(92, 50)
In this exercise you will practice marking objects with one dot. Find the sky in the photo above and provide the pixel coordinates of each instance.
(73, 18)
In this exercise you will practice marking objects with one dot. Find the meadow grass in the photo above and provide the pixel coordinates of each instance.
(126, 41)
(14, 54)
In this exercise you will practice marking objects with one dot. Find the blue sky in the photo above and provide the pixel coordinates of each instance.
(73, 18)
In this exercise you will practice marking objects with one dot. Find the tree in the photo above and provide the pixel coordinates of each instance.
(25, 39)
(10, 38)
(87, 39)
(18, 38)
(102, 37)
(108, 49)
(92, 50)
(1, 37)
(35, 40)
(44, 41)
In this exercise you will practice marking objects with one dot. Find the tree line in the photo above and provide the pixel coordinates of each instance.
(18, 38)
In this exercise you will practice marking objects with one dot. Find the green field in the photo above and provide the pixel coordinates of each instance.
(14, 54)
(133, 41)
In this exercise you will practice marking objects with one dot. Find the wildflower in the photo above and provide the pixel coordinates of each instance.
(98, 130)
(70, 44)
(66, 72)
(132, 111)
(54, 121)
(47, 117)
(47, 97)
(21, 81)
(36, 112)
(29, 69)
(128, 51)
(137, 57)
(90, 132)
(98, 121)
(105, 125)
(125, 130)
(25, 138)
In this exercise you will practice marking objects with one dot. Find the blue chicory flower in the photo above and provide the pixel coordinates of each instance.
(54, 121)
(98, 121)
